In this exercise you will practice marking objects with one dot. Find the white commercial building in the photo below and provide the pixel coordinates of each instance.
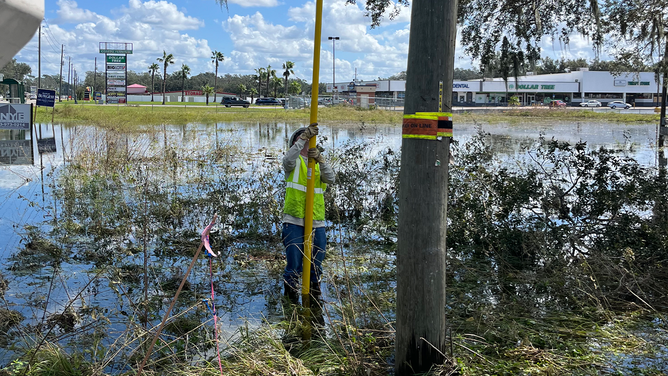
(639, 89)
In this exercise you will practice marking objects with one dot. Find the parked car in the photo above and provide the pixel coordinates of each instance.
(557, 103)
(268, 102)
(326, 101)
(234, 101)
(591, 103)
(619, 104)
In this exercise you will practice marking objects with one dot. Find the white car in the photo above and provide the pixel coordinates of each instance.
(619, 104)
(592, 103)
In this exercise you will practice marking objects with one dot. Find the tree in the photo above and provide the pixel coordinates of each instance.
(241, 90)
(288, 70)
(401, 76)
(166, 60)
(252, 93)
(207, 90)
(295, 87)
(184, 72)
(259, 76)
(152, 69)
(638, 30)
(270, 74)
(548, 66)
(276, 81)
(466, 74)
(16, 70)
(216, 58)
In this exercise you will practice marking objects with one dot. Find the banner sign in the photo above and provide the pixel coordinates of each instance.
(115, 59)
(116, 48)
(116, 88)
(116, 67)
(98, 95)
(46, 98)
(121, 94)
(116, 82)
(115, 52)
(16, 152)
(46, 145)
(116, 74)
(15, 116)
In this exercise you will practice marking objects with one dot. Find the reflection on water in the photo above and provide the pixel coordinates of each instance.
(105, 200)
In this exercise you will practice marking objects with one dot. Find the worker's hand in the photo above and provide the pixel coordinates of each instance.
(315, 154)
(311, 131)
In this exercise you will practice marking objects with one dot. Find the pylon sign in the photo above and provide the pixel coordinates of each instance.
(116, 70)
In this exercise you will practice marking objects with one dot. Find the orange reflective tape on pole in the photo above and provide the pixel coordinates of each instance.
(310, 177)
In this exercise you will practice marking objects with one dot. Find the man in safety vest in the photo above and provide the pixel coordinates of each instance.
(295, 166)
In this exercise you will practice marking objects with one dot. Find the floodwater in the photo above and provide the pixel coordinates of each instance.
(104, 229)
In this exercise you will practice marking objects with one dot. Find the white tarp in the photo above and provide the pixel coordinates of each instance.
(19, 19)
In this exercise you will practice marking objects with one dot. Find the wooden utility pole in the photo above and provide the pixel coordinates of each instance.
(69, 71)
(663, 129)
(60, 91)
(423, 192)
(39, 58)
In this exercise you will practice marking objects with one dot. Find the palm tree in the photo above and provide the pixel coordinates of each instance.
(207, 90)
(271, 73)
(288, 65)
(152, 69)
(260, 76)
(216, 58)
(242, 90)
(295, 87)
(277, 81)
(185, 71)
(252, 93)
(166, 60)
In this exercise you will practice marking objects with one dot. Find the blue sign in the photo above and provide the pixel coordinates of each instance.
(46, 98)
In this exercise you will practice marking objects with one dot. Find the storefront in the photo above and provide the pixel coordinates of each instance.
(638, 89)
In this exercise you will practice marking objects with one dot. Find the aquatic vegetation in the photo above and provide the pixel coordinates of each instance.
(556, 261)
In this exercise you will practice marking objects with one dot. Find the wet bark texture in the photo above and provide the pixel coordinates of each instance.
(421, 321)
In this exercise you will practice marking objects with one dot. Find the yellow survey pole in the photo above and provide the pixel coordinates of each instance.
(310, 182)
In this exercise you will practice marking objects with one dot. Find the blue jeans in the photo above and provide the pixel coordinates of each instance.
(293, 240)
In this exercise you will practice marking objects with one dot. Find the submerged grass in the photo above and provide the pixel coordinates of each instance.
(120, 199)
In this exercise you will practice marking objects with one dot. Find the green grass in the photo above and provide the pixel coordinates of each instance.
(114, 116)
(551, 114)
(118, 116)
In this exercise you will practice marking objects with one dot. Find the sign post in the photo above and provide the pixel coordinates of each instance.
(116, 59)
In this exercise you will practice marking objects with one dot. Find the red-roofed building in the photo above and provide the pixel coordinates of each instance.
(136, 89)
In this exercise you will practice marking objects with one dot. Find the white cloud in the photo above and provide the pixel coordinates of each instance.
(70, 12)
(159, 14)
(255, 3)
(258, 42)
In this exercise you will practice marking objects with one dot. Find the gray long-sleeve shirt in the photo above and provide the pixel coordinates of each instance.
(289, 163)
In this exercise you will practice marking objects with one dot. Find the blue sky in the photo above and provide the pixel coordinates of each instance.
(250, 33)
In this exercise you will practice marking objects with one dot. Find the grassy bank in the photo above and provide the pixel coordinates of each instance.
(151, 115)
(551, 114)
(115, 116)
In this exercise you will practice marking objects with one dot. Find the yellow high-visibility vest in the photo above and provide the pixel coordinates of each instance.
(295, 193)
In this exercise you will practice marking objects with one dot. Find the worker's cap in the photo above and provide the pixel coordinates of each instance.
(294, 136)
